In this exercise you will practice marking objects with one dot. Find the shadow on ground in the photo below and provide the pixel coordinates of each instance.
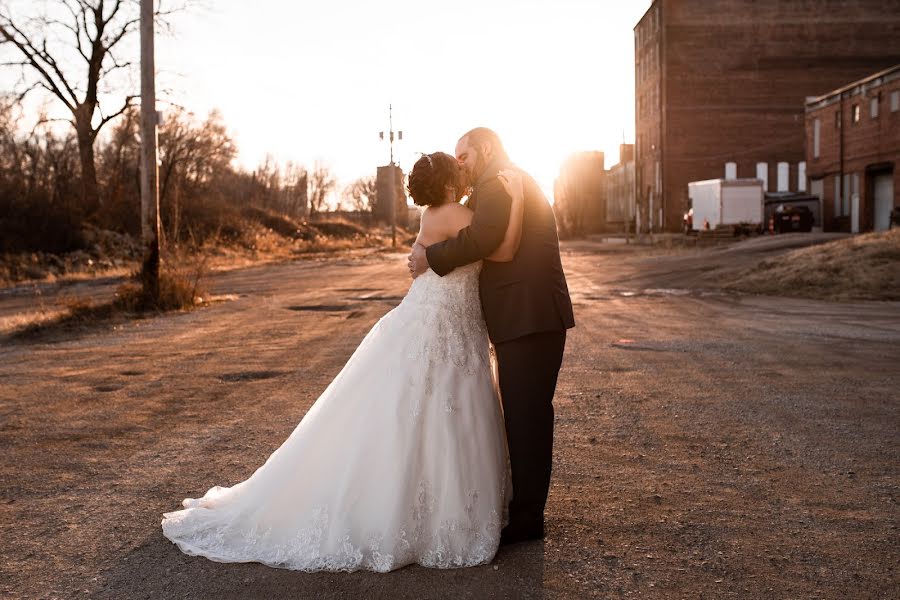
(157, 569)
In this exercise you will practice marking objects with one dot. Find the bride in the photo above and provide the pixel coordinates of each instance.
(402, 459)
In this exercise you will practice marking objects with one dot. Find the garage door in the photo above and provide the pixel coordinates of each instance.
(884, 201)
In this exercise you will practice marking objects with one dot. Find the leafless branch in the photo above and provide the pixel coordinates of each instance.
(21, 95)
(8, 31)
(127, 104)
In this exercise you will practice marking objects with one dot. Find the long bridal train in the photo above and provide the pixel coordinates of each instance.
(401, 460)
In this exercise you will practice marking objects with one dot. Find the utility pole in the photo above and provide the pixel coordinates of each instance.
(149, 167)
(393, 173)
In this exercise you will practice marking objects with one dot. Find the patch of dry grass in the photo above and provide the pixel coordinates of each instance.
(863, 267)
(179, 289)
(251, 236)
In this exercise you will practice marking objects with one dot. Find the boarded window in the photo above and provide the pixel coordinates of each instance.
(895, 100)
(801, 176)
(873, 107)
(854, 113)
(817, 137)
(762, 173)
(784, 172)
(731, 170)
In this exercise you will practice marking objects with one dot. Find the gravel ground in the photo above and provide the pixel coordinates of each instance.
(708, 445)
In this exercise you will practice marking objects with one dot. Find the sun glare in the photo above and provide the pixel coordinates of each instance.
(554, 78)
(551, 78)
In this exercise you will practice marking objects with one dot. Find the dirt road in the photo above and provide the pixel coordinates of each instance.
(707, 445)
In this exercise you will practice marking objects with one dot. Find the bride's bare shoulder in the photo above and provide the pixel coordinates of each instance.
(453, 215)
(449, 211)
(443, 221)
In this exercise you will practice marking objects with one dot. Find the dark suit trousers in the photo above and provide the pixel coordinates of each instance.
(528, 369)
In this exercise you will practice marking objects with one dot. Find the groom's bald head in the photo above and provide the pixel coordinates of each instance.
(476, 148)
(481, 137)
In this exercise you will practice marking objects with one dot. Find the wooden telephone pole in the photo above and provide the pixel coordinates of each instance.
(149, 166)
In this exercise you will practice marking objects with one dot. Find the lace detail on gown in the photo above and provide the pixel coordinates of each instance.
(401, 460)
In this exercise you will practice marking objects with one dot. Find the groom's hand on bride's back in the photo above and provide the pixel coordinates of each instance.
(417, 261)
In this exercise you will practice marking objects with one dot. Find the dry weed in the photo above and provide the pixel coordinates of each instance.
(863, 267)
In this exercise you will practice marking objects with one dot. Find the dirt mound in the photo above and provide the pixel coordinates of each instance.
(338, 229)
(280, 224)
(863, 267)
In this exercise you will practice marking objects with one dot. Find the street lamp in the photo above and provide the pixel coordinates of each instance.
(392, 170)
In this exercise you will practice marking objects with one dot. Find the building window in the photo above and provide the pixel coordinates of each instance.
(817, 137)
(854, 113)
(837, 119)
(873, 107)
(895, 100)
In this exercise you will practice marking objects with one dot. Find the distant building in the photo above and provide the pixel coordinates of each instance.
(853, 152)
(720, 88)
(386, 189)
(620, 192)
(579, 194)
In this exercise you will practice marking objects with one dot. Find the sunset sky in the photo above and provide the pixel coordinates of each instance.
(312, 81)
(307, 81)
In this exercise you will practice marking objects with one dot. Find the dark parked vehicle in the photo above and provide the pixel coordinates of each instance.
(793, 218)
(895, 217)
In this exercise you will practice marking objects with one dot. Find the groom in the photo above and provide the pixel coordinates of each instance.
(527, 309)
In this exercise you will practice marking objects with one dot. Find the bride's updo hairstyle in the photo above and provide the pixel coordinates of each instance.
(430, 177)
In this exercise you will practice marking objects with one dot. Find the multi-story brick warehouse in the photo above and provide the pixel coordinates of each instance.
(726, 82)
(853, 152)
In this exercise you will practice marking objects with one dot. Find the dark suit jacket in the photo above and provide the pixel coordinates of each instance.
(528, 294)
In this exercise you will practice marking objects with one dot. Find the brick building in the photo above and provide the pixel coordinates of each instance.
(853, 152)
(579, 194)
(720, 88)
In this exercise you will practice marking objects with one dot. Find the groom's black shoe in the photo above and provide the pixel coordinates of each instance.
(517, 532)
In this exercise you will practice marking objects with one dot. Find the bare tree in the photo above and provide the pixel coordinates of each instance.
(321, 182)
(192, 155)
(362, 193)
(48, 43)
(294, 192)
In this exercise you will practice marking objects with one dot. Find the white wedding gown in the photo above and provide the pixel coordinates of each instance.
(401, 460)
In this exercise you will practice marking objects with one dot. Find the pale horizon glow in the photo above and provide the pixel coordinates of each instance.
(311, 82)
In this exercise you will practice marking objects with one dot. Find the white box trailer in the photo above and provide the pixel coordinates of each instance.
(726, 202)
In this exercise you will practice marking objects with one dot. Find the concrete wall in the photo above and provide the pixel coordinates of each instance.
(383, 194)
(580, 194)
(620, 191)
